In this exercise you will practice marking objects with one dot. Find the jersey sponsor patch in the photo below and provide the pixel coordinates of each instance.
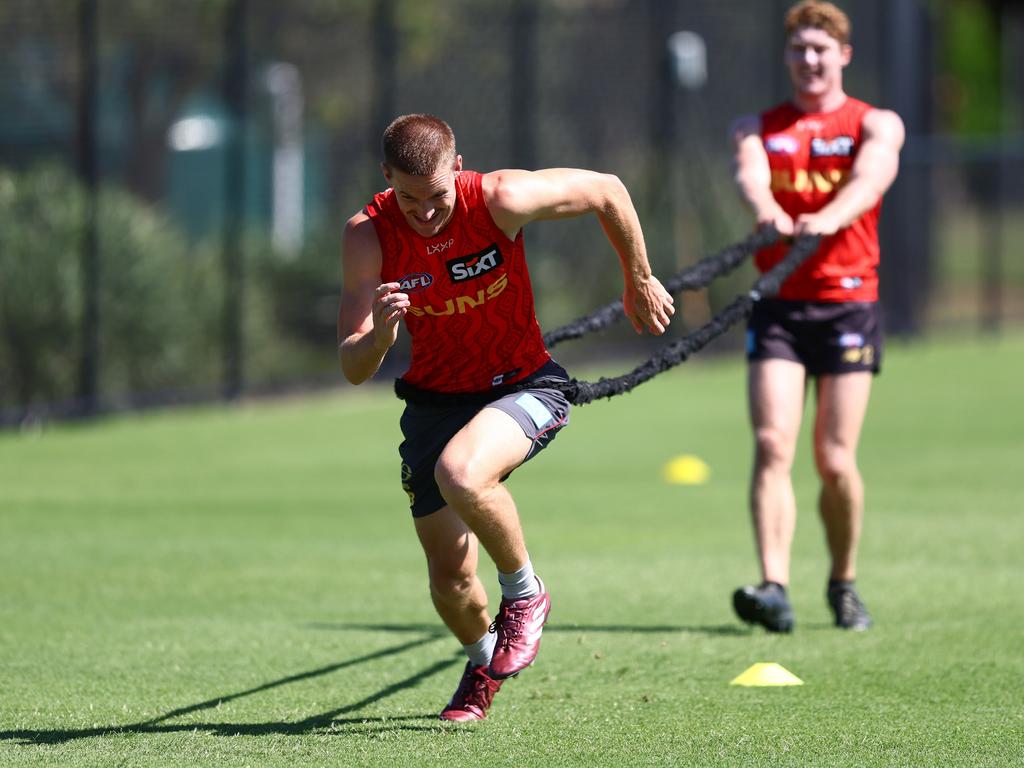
(433, 248)
(851, 283)
(781, 144)
(472, 266)
(841, 146)
(806, 124)
(415, 282)
(462, 304)
(502, 377)
(537, 411)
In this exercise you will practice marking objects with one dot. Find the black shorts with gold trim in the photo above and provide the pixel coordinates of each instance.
(429, 423)
(826, 338)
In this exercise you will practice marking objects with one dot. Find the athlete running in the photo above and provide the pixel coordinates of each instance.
(442, 250)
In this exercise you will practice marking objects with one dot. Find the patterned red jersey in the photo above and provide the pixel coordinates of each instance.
(472, 318)
(811, 155)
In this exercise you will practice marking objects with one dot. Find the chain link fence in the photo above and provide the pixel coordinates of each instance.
(174, 176)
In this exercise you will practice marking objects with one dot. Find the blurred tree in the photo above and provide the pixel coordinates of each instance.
(159, 303)
(970, 89)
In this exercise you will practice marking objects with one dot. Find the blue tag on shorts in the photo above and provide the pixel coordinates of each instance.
(540, 414)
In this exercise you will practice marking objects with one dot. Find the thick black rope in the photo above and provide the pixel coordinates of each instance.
(583, 392)
(693, 278)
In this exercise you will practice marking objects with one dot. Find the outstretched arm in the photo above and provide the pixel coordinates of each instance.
(753, 175)
(873, 172)
(515, 198)
(370, 311)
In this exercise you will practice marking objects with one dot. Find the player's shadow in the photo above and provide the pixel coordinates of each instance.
(653, 629)
(329, 722)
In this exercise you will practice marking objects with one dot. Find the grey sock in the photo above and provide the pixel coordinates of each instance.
(522, 583)
(480, 652)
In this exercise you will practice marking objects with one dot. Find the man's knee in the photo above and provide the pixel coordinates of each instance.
(837, 465)
(459, 482)
(451, 585)
(774, 448)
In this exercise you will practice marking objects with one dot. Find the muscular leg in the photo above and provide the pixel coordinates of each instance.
(469, 474)
(776, 399)
(842, 403)
(458, 595)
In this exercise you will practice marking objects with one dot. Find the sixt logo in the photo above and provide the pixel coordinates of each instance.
(841, 146)
(466, 268)
(415, 282)
(440, 247)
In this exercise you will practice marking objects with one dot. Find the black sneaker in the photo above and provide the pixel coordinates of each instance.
(766, 605)
(846, 605)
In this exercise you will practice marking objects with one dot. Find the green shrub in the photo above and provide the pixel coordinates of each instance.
(159, 302)
(290, 313)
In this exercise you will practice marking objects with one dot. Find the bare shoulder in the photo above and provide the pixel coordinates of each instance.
(744, 127)
(359, 230)
(360, 248)
(508, 190)
(885, 126)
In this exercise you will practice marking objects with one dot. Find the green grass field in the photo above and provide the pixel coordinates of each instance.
(242, 587)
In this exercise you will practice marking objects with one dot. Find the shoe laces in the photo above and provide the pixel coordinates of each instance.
(476, 689)
(849, 604)
(509, 621)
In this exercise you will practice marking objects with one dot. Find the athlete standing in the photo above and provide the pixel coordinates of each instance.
(442, 248)
(818, 164)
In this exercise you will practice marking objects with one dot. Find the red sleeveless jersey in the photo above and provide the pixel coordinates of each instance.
(811, 155)
(472, 318)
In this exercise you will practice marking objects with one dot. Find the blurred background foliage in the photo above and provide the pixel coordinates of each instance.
(209, 151)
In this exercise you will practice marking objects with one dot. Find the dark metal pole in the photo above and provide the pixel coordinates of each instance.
(235, 90)
(523, 87)
(991, 278)
(385, 55)
(88, 382)
(776, 27)
(993, 261)
(662, 112)
(660, 201)
(906, 213)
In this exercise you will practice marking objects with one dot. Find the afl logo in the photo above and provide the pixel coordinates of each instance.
(415, 282)
(781, 144)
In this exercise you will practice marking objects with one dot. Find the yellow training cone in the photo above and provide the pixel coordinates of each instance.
(686, 470)
(767, 673)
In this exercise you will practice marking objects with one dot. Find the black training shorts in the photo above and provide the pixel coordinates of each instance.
(427, 427)
(827, 338)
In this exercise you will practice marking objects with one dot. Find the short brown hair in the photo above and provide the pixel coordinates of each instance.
(819, 15)
(418, 144)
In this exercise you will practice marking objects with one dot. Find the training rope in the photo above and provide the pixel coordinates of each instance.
(693, 278)
(583, 392)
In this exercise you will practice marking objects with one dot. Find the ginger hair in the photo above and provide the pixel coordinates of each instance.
(819, 15)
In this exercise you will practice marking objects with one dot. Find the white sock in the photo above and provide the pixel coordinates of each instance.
(522, 583)
(480, 652)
